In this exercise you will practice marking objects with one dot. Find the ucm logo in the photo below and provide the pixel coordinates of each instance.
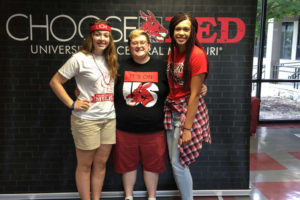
(153, 27)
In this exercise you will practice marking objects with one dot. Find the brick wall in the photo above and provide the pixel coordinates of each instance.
(36, 147)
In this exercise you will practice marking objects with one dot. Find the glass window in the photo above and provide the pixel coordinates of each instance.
(253, 90)
(298, 43)
(256, 46)
(286, 40)
(279, 101)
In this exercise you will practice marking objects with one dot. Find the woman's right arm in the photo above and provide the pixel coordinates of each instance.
(56, 84)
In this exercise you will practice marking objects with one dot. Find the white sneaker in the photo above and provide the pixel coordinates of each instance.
(129, 198)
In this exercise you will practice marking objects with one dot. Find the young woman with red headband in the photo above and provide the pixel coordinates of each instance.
(186, 115)
(94, 68)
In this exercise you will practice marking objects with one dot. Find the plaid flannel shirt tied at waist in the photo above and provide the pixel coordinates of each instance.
(200, 129)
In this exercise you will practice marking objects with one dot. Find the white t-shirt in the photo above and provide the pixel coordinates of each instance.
(94, 83)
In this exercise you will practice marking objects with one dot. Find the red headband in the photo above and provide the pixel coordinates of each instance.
(100, 27)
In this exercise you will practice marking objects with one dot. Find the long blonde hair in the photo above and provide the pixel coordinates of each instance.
(110, 52)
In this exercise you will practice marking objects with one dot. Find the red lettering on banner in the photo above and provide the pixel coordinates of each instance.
(205, 34)
(206, 29)
(240, 30)
(102, 97)
(130, 76)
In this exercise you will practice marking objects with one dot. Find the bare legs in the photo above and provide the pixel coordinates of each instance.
(129, 179)
(151, 181)
(150, 178)
(90, 171)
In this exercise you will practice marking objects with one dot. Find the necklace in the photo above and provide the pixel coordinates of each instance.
(107, 83)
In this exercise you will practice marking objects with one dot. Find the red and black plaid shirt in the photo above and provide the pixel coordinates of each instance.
(200, 129)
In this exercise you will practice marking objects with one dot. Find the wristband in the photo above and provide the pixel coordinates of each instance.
(73, 105)
(186, 129)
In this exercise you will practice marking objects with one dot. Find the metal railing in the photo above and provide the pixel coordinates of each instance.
(289, 71)
(254, 76)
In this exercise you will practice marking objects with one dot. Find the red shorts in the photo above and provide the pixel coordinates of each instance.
(131, 148)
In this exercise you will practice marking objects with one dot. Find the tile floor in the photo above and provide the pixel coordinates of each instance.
(274, 165)
(275, 162)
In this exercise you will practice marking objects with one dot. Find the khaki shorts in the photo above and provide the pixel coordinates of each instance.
(90, 134)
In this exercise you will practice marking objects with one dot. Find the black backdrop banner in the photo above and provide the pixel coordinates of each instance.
(37, 37)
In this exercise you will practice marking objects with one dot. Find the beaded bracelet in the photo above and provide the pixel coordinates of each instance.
(73, 105)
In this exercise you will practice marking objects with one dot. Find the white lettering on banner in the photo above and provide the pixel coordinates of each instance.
(121, 50)
(128, 27)
(213, 51)
(27, 25)
(7, 27)
(124, 50)
(53, 49)
(39, 26)
(115, 29)
(156, 51)
(49, 27)
(60, 39)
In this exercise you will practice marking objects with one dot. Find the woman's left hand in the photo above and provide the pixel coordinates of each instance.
(203, 90)
(186, 137)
